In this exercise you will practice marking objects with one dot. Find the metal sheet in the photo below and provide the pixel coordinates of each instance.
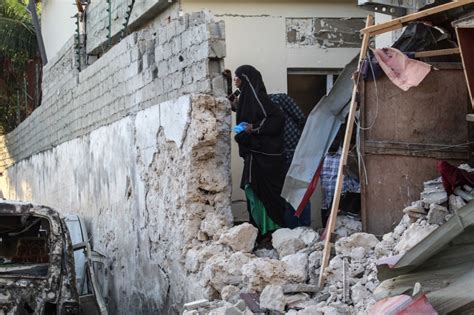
(410, 131)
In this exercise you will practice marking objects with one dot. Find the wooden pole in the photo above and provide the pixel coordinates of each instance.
(343, 162)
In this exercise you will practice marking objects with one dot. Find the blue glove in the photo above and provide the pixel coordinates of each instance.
(240, 127)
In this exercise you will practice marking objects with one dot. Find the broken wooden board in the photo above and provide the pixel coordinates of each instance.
(400, 22)
(435, 53)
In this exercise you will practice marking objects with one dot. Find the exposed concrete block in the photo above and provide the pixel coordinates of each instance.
(175, 118)
(217, 49)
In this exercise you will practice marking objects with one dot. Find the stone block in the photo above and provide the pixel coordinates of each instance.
(296, 267)
(434, 197)
(217, 49)
(216, 30)
(240, 238)
(230, 293)
(195, 305)
(437, 214)
(464, 194)
(273, 299)
(456, 203)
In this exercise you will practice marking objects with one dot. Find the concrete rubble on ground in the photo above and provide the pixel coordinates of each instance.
(286, 276)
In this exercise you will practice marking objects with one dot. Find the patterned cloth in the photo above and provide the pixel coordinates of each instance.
(329, 177)
(294, 123)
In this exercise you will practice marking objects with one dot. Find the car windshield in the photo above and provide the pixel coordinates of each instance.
(24, 248)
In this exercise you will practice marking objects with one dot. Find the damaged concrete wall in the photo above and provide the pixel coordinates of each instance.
(138, 144)
(324, 32)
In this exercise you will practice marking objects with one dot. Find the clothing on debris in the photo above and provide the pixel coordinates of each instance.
(401, 70)
(329, 177)
(453, 176)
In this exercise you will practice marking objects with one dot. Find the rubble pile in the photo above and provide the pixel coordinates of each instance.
(286, 277)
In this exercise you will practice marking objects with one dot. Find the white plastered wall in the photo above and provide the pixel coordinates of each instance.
(256, 35)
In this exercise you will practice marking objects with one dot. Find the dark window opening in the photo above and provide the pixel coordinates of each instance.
(308, 86)
(24, 248)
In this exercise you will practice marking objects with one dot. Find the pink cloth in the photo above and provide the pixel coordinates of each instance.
(403, 305)
(401, 70)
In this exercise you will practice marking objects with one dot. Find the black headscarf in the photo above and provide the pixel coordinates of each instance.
(249, 109)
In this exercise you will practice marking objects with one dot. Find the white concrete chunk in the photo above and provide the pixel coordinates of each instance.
(241, 237)
(272, 298)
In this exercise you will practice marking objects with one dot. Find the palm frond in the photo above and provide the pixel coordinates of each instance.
(17, 36)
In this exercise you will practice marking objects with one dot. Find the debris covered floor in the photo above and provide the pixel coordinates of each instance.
(284, 280)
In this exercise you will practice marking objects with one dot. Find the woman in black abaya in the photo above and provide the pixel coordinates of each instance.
(261, 147)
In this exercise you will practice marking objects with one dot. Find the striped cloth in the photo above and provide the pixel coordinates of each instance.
(329, 177)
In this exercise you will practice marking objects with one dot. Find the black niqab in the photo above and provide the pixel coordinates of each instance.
(262, 149)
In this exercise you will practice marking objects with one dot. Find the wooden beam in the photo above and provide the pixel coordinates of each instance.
(466, 41)
(343, 162)
(435, 53)
(398, 23)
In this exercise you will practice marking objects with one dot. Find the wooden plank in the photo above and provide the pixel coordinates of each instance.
(362, 166)
(436, 151)
(434, 53)
(399, 22)
(343, 162)
(466, 45)
(432, 113)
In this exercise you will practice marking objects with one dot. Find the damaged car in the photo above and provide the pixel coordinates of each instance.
(43, 268)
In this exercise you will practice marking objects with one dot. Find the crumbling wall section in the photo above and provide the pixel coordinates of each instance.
(138, 144)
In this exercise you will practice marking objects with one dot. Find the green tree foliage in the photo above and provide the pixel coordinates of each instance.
(18, 45)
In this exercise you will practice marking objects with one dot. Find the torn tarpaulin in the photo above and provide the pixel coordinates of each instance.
(324, 121)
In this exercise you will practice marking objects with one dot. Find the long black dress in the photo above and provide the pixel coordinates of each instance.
(262, 150)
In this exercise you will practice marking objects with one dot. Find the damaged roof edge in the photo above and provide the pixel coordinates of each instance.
(438, 239)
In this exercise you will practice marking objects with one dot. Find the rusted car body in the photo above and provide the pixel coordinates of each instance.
(37, 267)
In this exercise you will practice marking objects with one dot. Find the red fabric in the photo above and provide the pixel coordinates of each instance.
(310, 190)
(453, 176)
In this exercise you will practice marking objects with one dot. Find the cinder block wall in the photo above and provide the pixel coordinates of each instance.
(138, 144)
(98, 23)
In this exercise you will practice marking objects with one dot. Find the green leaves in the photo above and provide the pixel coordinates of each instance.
(18, 46)
(17, 35)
